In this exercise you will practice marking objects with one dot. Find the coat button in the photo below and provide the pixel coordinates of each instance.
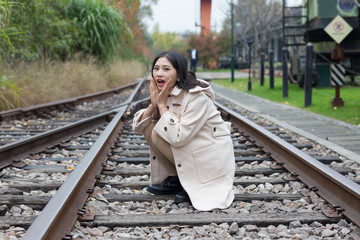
(165, 128)
(214, 129)
(179, 165)
(154, 157)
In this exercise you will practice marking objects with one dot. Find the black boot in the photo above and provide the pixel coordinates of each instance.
(170, 185)
(182, 197)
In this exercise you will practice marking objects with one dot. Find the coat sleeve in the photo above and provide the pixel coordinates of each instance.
(139, 126)
(179, 132)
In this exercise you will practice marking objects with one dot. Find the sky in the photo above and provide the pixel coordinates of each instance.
(181, 15)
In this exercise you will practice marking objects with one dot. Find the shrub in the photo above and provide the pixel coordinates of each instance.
(57, 30)
(9, 94)
(107, 32)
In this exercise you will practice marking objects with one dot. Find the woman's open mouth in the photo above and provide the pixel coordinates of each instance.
(160, 82)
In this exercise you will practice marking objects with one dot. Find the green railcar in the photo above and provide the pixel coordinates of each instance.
(306, 22)
(322, 12)
(315, 16)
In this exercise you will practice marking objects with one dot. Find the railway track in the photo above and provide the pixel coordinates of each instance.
(25, 131)
(25, 122)
(92, 185)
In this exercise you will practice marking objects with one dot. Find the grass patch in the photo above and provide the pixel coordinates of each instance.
(43, 82)
(9, 93)
(321, 97)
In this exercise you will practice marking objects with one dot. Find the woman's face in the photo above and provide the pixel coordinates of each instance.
(163, 72)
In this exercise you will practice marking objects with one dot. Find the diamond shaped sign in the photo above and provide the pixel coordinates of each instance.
(338, 29)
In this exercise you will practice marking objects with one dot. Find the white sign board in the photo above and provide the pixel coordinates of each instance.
(338, 29)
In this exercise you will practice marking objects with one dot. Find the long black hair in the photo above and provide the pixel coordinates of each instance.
(187, 79)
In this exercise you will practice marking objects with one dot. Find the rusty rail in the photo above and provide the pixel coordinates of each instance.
(25, 111)
(60, 214)
(13, 152)
(342, 193)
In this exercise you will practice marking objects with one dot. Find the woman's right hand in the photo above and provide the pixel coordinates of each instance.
(154, 93)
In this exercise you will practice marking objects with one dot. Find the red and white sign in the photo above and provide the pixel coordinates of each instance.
(338, 29)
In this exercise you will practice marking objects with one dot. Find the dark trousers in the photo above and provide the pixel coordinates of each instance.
(193, 63)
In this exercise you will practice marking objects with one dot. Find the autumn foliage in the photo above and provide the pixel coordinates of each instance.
(133, 13)
(210, 46)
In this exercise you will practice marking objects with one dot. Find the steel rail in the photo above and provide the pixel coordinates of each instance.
(15, 151)
(342, 193)
(60, 214)
(21, 112)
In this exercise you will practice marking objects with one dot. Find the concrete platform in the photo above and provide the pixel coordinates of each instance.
(338, 136)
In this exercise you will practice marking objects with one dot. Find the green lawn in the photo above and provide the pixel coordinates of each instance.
(321, 97)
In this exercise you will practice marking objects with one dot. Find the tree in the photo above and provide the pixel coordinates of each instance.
(56, 30)
(206, 47)
(8, 89)
(223, 43)
(257, 19)
(166, 41)
(134, 11)
(5, 35)
(107, 32)
(36, 30)
(5, 11)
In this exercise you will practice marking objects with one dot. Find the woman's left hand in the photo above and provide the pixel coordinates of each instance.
(163, 95)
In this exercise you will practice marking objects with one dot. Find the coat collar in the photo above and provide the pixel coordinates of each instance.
(208, 90)
(176, 91)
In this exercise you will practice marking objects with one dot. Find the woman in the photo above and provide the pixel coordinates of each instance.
(191, 150)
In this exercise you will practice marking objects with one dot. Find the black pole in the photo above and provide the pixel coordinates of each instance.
(262, 69)
(308, 74)
(271, 62)
(232, 41)
(285, 73)
(249, 82)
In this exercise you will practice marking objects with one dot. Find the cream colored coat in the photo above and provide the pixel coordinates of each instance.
(201, 144)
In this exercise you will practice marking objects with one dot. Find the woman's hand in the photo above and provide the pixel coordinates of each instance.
(154, 93)
(163, 95)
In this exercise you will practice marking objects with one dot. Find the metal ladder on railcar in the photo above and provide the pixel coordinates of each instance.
(295, 23)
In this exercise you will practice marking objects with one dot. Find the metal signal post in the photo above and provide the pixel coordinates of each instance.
(249, 41)
(232, 41)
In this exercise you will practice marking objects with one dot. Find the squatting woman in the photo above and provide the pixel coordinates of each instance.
(191, 151)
